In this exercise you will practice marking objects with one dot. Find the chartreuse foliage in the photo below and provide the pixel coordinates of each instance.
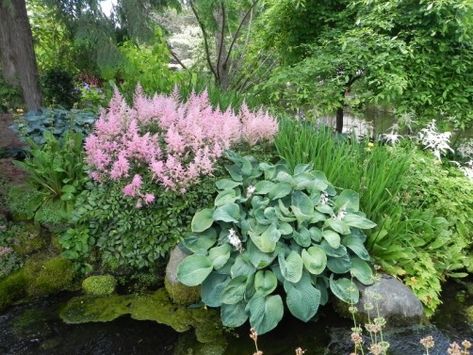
(273, 226)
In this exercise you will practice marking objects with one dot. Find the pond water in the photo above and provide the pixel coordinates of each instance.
(35, 328)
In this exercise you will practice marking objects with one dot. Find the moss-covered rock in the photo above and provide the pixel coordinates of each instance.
(154, 307)
(27, 238)
(48, 276)
(178, 292)
(469, 314)
(12, 288)
(99, 285)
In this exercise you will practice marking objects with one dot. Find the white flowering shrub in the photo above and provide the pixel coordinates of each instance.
(432, 139)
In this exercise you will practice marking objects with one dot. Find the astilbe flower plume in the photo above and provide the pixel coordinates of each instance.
(175, 141)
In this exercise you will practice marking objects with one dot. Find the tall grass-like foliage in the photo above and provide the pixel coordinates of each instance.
(174, 142)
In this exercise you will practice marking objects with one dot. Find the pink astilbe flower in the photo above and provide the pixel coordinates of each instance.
(176, 142)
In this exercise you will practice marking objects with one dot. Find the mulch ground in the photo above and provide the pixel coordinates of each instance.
(9, 140)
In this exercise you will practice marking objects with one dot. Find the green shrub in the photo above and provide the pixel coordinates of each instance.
(99, 285)
(272, 225)
(112, 232)
(10, 97)
(58, 88)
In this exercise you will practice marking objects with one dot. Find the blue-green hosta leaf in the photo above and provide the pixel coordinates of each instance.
(362, 271)
(302, 202)
(226, 196)
(229, 212)
(212, 287)
(270, 214)
(219, 255)
(325, 209)
(315, 234)
(302, 298)
(242, 266)
(199, 243)
(264, 187)
(259, 259)
(280, 190)
(338, 252)
(235, 290)
(302, 237)
(356, 245)
(233, 315)
(304, 181)
(349, 200)
(284, 176)
(323, 289)
(202, 220)
(345, 290)
(318, 217)
(356, 221)
(314, 259)
(338, 226)
(332, 238)
(194, 269)
(339, 265)
(265, 282)
(225, 184)
(291, 267)
(235, 172)
(320, 181)
(266, 242)
(265, 313)
(285, 228)
(284, 209)
(302, 168)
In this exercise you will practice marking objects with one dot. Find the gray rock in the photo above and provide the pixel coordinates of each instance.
(391, 298)
(178, 292)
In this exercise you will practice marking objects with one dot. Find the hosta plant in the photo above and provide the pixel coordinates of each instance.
(276, 234)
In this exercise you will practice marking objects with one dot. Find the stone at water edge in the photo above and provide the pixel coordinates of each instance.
(178, 292)
(395, 301)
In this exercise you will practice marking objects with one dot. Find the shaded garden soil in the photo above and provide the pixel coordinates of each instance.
(9, 142)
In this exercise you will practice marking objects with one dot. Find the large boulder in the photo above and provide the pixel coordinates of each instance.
(178, 292)
(394, 301)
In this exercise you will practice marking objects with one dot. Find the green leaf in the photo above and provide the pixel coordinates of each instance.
(225, 197)
(337, 226)
(315, 234)
(258, 258)
(266, 242)
(194, 269)
(229, 212)
(219, 255)
(280, 190)
(225, 184)
(235, 172)
(349, 200)
(212, 287)
(265, 282)
(234, 291)
(291, 267)
(339, 265)
(241, 266)
(345, 290)
(199, 243)
(360, 222)
(338, 252)
(332, 238)
(302, 202)
(202, 220)
(265, 313)
(302, 298)
(233, 315)
(302, 237)
(314, 259)
(362, 271)
(264, 187)
(356, 245)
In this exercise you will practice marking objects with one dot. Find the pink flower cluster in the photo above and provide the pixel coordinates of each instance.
(177, 142)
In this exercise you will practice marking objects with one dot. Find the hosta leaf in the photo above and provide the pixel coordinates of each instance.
(354, 220)
(234, 290)
(242, 266)
(280, 190)
(315, 234)
(322, 287)
(226, 196)
(291, 267)
(219, 255)
(356, 245)
(264, 187)
(345, 290)
(194, 269)
(302, 237)
(285, 228)
(225, 184)
(339, 265)
(265, 282)
(265, 313)
(362, 271)
(302, 202)
(202, 220)
(201, 242)
(302, 298)
(212, 287)
(338, 252)
(332, 238)
(235, 172)
(233, 315)
(326, 209)
(302, 168)
(259, 259)
(349, 200)
(314, 259)
(338, 226)
(229, 212)
(266, 242)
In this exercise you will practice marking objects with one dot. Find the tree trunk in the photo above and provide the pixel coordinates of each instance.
(17, 52)
(339, 122)
(222, 65)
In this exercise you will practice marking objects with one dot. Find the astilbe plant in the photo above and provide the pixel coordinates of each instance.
(175, 142)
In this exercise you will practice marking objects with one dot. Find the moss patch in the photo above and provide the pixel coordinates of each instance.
(12, 288)
(181, 294)
(48, 276)
(27, 238)
(99, 285)
(155, 307)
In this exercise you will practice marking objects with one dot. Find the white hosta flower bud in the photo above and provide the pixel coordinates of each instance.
(234, 240)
